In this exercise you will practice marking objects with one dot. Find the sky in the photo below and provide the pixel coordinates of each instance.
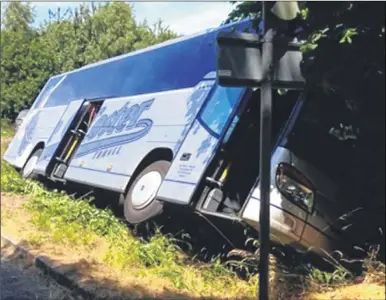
(181, 17)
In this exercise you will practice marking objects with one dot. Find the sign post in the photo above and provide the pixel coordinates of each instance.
(265, 154)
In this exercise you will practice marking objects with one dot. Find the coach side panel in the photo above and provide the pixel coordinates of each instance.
(127, 129)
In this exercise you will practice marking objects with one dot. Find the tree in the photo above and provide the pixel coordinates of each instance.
(18, 17)
(16, 57)
(147, 35)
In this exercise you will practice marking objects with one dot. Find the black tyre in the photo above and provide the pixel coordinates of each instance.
(140, 203)
(27, 171)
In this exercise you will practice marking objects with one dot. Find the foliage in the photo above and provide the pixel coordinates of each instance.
(18, 17)
(338, 276)
(29, 56)
(244, 10)
(6, 129)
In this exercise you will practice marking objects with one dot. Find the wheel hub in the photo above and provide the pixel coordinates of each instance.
(145, 189)
(30, 166)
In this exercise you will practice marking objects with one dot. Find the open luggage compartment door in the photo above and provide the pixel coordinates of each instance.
(57, 135)
(200, 145)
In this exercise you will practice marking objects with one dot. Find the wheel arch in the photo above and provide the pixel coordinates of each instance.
(39, 145)
(162, 153)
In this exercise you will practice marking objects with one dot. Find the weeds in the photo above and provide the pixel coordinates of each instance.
(374, 269)
(338, 276)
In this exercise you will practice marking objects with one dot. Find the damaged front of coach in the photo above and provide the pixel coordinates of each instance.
(298, 192)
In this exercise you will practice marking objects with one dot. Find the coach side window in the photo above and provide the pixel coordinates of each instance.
(325, 134)
(46, 91)
(63, 93)
(220, 106)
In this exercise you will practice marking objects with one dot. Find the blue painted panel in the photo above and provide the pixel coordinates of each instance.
(177, 65)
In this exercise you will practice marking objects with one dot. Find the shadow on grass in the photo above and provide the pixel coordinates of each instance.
(84, 278)
(78, 278)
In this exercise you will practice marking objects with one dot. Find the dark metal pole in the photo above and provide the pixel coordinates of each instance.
(265, 157)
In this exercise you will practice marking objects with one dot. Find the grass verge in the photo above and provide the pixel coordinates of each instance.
(6, 129)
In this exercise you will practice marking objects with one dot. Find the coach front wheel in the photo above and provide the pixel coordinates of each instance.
(140, 203)
(27, 171)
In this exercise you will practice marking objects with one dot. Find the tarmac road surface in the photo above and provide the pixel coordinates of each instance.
(21, 282)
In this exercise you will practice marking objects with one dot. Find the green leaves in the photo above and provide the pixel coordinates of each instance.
(316, 36)
(304, 13)
(338, 276)
(307, 47)
(18, 17)
(348, 33)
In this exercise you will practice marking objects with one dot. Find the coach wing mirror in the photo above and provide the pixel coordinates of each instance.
(238, 59)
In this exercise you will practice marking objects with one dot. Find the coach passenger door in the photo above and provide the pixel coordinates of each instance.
(200, 145)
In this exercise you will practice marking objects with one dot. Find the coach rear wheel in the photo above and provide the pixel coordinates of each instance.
(27, 171)
(140, 203)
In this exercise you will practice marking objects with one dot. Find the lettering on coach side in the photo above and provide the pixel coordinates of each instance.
(107, 152)
(127, 118)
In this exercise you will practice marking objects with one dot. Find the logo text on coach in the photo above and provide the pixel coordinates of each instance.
(127, 118)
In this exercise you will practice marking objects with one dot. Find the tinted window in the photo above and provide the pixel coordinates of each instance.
(220, 106)
(45, 93)
(172, 67)
(324, 135)
(282, 107)
(176, 66)
(98, 81)
(64, 93)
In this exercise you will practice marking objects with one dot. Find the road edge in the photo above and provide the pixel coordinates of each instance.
(48, 268)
